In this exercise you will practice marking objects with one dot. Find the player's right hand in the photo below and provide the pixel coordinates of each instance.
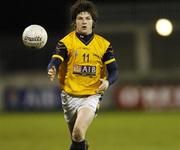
(104, 85)
(52, 73)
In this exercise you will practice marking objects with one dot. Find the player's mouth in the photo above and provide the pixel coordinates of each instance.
(84, 27)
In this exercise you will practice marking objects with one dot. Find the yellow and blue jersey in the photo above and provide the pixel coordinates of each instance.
(83, 64)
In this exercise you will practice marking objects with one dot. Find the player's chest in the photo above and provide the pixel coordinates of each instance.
(86, 54)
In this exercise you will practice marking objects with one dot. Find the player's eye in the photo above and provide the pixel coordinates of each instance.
(88, 18)
(79, 18)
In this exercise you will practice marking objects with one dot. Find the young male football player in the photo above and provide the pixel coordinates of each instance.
(86, 67)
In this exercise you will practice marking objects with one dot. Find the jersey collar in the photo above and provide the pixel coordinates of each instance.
(86, 39)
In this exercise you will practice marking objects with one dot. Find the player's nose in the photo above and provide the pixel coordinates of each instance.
(84, 21)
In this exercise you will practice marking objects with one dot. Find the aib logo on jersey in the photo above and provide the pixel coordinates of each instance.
(84, 70)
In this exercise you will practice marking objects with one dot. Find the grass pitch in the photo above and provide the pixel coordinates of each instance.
(109, 131)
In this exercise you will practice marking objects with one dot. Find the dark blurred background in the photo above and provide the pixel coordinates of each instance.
(144, 57)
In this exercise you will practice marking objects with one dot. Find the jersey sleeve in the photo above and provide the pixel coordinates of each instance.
(108, 56)
(60, 51)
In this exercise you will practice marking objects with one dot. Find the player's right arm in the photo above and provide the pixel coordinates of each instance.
(59, 55)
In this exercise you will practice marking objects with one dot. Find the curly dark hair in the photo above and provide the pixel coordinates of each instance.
(81, 6)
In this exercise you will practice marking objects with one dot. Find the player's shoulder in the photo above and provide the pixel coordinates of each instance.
(67, 37)
(102, 40)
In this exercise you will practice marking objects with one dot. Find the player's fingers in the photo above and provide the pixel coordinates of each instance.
(51, 74)
(104, 85)
(52, 71)
(100, 90)
(101, 87)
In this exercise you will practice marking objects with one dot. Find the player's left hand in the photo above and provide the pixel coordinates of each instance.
(52, 73)
(104, 85)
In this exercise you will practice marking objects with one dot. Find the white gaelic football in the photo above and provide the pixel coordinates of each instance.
(34, 36)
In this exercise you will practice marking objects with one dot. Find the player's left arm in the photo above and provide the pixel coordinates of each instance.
(112, 69)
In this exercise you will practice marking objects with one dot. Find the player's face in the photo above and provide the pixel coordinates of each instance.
(84, 23)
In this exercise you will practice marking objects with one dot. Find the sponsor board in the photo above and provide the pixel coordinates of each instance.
(31, 98)
(145, 97)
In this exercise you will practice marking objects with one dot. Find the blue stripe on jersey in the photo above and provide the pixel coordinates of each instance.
(61, 50)
(108, 55)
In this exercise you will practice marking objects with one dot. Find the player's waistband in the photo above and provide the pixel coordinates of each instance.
(74, 95)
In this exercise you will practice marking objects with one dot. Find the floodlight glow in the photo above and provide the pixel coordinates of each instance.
(164, 27)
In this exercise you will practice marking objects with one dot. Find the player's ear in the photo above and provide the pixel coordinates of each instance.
(73, 24)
